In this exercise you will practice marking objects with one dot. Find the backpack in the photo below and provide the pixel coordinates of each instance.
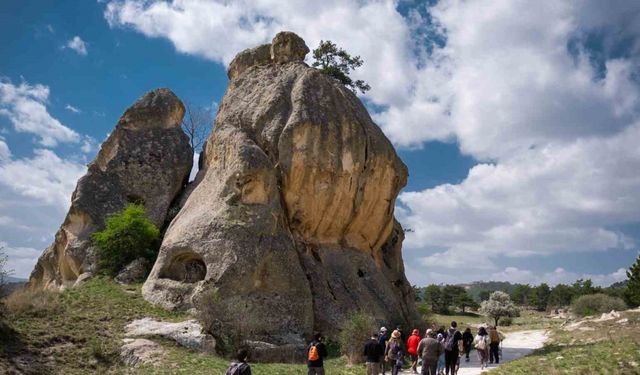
(313, 354)
(450, 343)
(493, 335)
(236, 368)
(482, 343)
(394, 348)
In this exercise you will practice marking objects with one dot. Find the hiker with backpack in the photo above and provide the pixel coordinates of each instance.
(430, 349)
(316, 353)
(452, 349)
(394, 352)
(482, 347)
(412, 349)
(495, 338)
(372, 354)
(239, 366)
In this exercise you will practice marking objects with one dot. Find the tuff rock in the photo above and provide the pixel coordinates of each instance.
(146, 158)
(290, 225)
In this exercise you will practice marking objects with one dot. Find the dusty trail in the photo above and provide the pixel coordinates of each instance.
(516, 345)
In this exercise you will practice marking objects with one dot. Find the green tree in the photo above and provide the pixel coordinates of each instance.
(499, 305)
(338, 63)
(128, 235)
(561, 296)
(542, 292)
(583, 287)
(484, 295)
(521, 294)
(433, 296)
(632, 292)
(417, 291)
(465, 301)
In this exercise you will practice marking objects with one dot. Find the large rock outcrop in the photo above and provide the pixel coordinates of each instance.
(147, 158)
(291, 226)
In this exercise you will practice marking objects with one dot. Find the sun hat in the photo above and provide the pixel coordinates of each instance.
(395, 334)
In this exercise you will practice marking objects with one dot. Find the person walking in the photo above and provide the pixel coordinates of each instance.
(412, 348)
(467, 341)
(482, 347)
(452, 348)
(316, 353)
(441, 358)
(372, 354)
(394, 352)
(429, 349)
(239, 366)
(494, 345)
(382, 341)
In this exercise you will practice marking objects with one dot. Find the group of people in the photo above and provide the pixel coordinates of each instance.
(439, 350)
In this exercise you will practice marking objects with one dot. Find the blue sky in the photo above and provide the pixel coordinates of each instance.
(519, 124)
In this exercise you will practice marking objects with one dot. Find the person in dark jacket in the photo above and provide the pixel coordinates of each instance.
(467, 341)
(316, 353)
(239, 366)
(452, 351)
(372, 353)
(382, 340)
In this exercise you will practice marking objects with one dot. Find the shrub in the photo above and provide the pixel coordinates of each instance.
(128, 235)
(32, 302)
(355, 330)
(506, 321)
(591, 304)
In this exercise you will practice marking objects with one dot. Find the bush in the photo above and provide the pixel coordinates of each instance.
(355, 330)
(506, 321)
(32, 302)
(591, 304)
(128, 235)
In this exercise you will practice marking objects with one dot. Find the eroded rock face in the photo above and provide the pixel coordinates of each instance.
(147, 158)
(291, 227)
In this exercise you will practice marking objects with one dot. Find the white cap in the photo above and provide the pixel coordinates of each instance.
(383, 329)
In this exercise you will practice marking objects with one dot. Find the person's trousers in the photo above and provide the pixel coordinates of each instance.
(494, 352)
(372, 368)
(429, 366)
(395, 369)
(467, 350)
(450, 360)
(315, 371)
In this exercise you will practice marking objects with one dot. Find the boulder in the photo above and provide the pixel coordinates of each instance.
(133, 272)
(290, 227)
(140, 351)
(188, 333)
(146, 159)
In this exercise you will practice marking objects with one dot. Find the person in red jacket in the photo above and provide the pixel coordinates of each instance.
(412, 349)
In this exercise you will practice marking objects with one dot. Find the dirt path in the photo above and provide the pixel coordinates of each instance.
(515, 345)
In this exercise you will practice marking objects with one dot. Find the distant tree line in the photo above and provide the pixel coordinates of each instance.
(443, 299)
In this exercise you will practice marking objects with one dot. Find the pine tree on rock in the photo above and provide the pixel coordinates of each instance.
(338, 63)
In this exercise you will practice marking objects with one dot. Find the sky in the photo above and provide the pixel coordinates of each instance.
(518, 120)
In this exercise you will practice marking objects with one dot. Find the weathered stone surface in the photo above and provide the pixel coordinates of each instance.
(140, 351)
(188, 333)
(134, 271)
(287, 46)
(147, 158)
(291, 224)
(260, 55)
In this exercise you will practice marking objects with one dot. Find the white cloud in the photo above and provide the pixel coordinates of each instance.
(25, 106)
(78, 45)
(35, 193)
(72, 108)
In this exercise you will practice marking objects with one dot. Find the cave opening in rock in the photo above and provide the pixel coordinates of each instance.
(186, 267)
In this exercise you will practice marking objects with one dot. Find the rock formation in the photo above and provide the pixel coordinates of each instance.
(291, 226)
(147, 158)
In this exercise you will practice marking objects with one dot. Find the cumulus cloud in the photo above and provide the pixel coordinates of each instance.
(35, 194)
(78, 45)
(25, 106)
(517, 85)
(558, 276)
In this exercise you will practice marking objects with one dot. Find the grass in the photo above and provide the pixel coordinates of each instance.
(79, 331)
(592, 348)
